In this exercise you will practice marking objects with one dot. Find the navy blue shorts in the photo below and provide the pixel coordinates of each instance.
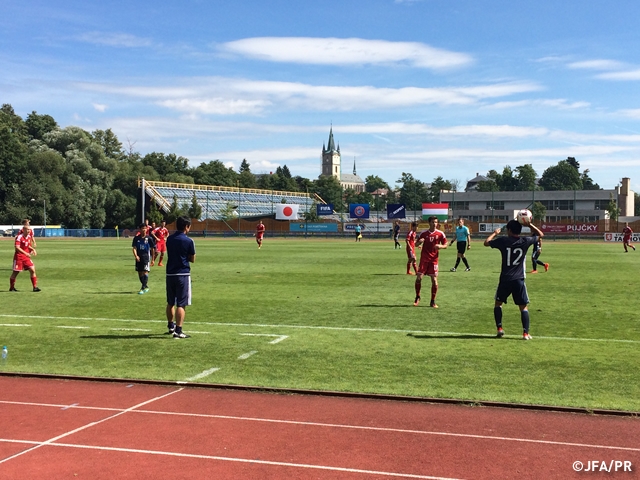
(516, 288)
(179, 290)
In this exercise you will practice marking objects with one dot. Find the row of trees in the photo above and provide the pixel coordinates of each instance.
(89, 180)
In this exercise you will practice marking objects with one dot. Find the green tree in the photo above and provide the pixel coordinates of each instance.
(110, 144)
(563, 176)
(329, 189)
(412, 192)
(175, 211)
(195, 210)
(246, 179)
(636, 204)
(613, 209)
(39, 125)
(587, 182)
(374, 182)
(215, 173)
(526, 178)
(539, 211)
(433, 192)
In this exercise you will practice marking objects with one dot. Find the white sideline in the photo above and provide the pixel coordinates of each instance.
(313, 327)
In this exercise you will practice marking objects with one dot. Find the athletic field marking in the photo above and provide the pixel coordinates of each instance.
(231, 459)
(244, 356)
(69, 326)
(277, 340)
(14, 325)
(334, 425)
(70, 406)
(88, 425)
(317, 327)
(206, 373)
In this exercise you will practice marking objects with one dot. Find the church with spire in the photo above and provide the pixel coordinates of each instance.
(332, 166)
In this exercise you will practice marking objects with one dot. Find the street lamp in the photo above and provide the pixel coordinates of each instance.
(44, 214)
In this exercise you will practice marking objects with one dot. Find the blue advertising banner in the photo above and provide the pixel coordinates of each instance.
(324, 209)
(358, 210)
(313, 227)
(396, 210)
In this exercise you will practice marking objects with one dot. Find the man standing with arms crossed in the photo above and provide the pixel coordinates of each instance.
(181, 251)
(432, 241)
(463, 239)
(410, 240)
(513, 248)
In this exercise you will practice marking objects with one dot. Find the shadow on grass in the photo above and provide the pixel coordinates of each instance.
(463, 336)
(389, 306)
(152, 336)
(112, 293)
(388, 274)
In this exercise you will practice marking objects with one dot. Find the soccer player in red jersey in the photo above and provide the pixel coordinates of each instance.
(260, 233)
(626, 239)
(22, 257)
(410, 240)
(160, 234)
(432, 241)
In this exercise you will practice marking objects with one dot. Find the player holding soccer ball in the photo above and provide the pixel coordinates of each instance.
(513, 248)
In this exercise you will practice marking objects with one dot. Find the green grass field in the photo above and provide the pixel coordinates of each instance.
(347, 312)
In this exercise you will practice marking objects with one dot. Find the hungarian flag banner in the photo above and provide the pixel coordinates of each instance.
(286, 211)
(438, 210)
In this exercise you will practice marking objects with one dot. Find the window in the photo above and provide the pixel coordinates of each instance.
(557, 204)
(460, 205)
(497, 205)
(602, 204)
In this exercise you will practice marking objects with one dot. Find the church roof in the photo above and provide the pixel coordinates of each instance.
(349, 178)
(331, 147)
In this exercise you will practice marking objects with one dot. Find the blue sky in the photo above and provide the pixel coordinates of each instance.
(445, 88)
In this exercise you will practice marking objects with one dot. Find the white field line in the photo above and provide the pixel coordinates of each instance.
(14, 325)
(233, 459)
(88, 425)
(316, 327)
(277, 340)
(69, 326)
(334, 425)
(244, 356)
(206, 373)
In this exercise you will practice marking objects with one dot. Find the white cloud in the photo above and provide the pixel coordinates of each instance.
(230, 96)
(599, 64)
(627, 75)
(121, 40)
(100, 107)
(632, 113)
(345, 51)
(559, 103)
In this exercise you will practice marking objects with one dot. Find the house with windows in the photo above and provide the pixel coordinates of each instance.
(562, 205)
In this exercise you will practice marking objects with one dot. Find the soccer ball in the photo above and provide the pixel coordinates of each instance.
(524, 217)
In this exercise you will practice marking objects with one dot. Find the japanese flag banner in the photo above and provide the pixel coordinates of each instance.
(286, 211)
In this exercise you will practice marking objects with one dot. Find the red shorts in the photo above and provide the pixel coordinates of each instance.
(21, 263)
(259, 236)
(411, 253)
(161, 247)
(428, 268)
(626, 239)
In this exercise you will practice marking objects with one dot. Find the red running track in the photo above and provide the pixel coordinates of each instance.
(65, 429)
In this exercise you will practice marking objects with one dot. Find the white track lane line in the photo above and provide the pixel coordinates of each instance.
(240, 460)
(51, 440)
(335, 425)
(315, 327)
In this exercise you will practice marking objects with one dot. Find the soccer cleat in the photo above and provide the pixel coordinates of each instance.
(546, 267)
(161, 264)
(533, 271)
(152, 264)
(36, 289)
(410, 273)
(433, 304)
(526, 336)
(468, 269)
(453, 269)
(417, 302)
(634, 248)
(146, 289)
(141, 292)
(500, 333)
(13, 289)
(171, 329)
(181, 335)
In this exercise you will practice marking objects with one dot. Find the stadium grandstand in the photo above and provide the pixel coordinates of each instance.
(216, 200)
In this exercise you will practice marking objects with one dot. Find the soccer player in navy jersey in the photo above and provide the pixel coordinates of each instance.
(142, 247)
(181, 252)
(513, 248)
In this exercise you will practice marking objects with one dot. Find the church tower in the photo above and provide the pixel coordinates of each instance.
(331, 158)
